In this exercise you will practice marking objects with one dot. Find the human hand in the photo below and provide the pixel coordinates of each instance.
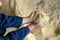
(33, 26)
(30, 18)
(1, 3)
(44, 20)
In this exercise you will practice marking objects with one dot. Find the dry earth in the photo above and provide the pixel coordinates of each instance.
(24, 7)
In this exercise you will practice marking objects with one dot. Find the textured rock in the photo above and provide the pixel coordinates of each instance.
(25, 7)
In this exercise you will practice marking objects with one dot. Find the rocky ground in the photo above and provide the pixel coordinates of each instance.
(25, 7)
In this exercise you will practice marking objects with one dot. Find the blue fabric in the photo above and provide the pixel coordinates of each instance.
(16, 35)
(9, 21)
(12, 21)
(2, 31)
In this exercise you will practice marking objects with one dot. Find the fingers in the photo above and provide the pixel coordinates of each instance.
(0, 3)
(45, 21)
(33, 12)
(43, 24)
(33, 16)
(42, 13)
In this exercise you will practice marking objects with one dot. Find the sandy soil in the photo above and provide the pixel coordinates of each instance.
(24, 7)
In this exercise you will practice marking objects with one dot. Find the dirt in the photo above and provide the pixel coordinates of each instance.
(24, 8)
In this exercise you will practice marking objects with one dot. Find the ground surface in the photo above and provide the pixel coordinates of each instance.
(25, 7)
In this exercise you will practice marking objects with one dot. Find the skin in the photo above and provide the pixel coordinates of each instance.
(33, 25)
(1, 3)
(30, 19)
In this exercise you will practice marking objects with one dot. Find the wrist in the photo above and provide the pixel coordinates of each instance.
(30, 27)
(25, 20)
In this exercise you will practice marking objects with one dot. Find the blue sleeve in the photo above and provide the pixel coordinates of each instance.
(10, 21)
(17, 35)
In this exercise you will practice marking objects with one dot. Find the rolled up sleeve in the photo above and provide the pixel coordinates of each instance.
(17, 35)
(10, 21)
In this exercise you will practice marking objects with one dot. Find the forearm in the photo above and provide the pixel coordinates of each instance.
(10, 21)
(17, 35)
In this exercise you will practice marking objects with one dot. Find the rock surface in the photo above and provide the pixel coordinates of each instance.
(25, 7)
